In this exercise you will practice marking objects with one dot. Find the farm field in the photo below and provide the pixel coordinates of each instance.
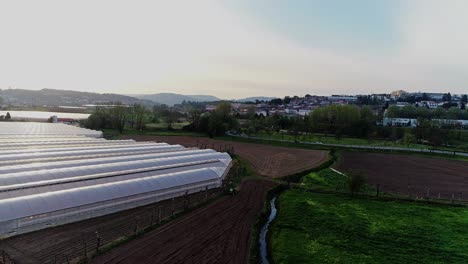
(162, 125)
(333, 140)
(217, 233)
(410, 174)
(269, 161)
(327, 228)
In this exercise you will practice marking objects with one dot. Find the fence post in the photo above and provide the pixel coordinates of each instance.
(85, 248)
(159, 215)
(98, 240)
(378, 190)
(172, 207)
(135, 229)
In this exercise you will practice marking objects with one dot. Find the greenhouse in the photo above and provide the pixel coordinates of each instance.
(47, 181)
(45, 129)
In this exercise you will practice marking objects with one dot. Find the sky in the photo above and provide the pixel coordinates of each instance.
(235, 48)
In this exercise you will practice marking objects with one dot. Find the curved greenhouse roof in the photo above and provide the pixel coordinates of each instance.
(41, 129)
(38, 204)
(47, 180)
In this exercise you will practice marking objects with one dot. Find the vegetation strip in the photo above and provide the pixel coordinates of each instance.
(380, 148)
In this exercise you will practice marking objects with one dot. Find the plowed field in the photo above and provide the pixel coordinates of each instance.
(218, 233)
(410, 174)
(269, 161)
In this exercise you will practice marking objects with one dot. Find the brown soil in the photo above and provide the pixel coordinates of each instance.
(218, 233)
(410, 174)
(267, 160)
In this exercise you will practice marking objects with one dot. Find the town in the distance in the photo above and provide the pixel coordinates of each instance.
(374, 116)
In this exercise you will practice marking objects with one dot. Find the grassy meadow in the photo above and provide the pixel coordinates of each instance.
(327, 228)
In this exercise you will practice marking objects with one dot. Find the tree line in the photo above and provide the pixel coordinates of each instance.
(411, 111)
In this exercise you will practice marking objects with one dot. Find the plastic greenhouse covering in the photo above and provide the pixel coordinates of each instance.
(32, 128)
(53, 174)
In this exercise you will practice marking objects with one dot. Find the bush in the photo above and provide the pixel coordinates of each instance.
(357, 181)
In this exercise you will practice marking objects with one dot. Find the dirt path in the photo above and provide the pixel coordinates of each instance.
(218, 233)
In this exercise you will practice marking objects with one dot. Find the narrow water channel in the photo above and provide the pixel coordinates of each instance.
(263, 233)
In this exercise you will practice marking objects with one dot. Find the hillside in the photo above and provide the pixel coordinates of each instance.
(172, 98)
(53, 97)
(253, 99)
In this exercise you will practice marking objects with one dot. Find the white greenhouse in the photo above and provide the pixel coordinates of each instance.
(48, 178)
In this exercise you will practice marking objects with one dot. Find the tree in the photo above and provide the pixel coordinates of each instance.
(139, 112)
(170, 116)
(194, 117)
(409, 138)
(223, 109)
(464, 98)
(99, 119)
(277, 101)
(425, 97)
(119, 115)
(447, 97)
(8, 116)
(356, 181)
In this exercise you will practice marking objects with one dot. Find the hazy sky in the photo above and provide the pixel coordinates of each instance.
(235, 48)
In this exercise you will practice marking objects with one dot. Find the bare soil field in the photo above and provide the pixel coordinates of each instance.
(410, 174)
(218, 233)
(269, 161)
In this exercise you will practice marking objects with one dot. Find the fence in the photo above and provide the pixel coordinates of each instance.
(5, 258)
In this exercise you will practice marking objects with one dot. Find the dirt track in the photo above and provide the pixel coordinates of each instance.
(410, 174)
(268, 161)
(218, 233)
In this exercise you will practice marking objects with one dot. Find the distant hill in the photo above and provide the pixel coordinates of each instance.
(172, 98)
(253, 99)
(53, 97)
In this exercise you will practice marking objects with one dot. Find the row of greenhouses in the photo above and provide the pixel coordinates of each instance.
(47, 181)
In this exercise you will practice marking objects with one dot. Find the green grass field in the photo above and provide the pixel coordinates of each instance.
(175, 126)
(326, 228)
(333, 140)
(327, 179)
(113, 134)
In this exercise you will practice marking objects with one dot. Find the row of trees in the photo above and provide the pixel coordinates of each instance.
(352, 121)
(334, 119)
(215, 123)
(411, 111)
(117, 117)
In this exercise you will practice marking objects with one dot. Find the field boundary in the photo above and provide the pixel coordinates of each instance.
(344, 146)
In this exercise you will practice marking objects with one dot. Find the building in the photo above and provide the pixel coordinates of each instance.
(400, 122)
(335, 98)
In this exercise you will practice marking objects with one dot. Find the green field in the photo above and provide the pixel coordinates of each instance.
(113, 134)
(330, 180)
(333, 140)
(175, 126)
(327, 228)
(326, 179)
